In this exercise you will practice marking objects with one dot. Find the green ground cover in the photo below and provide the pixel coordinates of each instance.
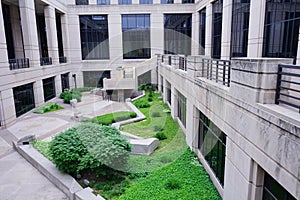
(48, 107)
(110, 118)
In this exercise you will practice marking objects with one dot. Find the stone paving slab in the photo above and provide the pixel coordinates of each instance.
(21, 181)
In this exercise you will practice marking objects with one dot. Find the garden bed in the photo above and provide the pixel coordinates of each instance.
(48, 107)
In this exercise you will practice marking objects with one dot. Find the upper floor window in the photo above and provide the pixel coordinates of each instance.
(202, 14)
(94, 37)
(146, 1)
(167, 1)
(125, 2)
(136, 36)
(217, 28)
(82, 2)
(103, 2)
(188, 1)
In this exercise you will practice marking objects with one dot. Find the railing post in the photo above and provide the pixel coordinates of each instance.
(229, 71)
(278, 84)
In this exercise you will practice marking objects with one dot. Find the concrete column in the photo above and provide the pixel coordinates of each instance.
(177, 1)
(135, 2)
(174, 106)
(92, 2)
(157, 33)
(29, 30)
(165, 85)
(254, 80)
(74, 38)
(114, 2)
(51, 31)
(115, 37)
(17, 32)
(208, 31)
(8, 106)
(154, 77)
(65, 35)
(195, 33)
(38, 93)
(226, 29)
(256, 28)
(3, 48)
(58, 88)
(298, 50)
(189, 130)
(156, 1)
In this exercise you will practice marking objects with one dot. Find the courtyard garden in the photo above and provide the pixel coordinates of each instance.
(98, 156)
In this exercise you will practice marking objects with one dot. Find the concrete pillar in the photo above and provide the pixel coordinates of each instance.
(38, 93)
(3, 48)
(29, 30)
(92, 2)
(177, 1)
(208, 31)
(254, 80)
(58, 88)
(115, 37)
(51, 30)
(65, 35)
(226, 29)
(156, 1)
(8, 106)
(298, 50)
(74, 38)
(114, 2)
(16, 31)
(135, 1)
(154, 76)
(157, 33)
(174, 106)
(189, 127)
(195, 33)
(256, 28)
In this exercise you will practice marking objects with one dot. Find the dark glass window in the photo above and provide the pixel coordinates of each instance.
(95, 78)
(166, 1)
(8, 31)
(162, 84)
(94, 37)
(169, 93)
(125, 2)
(181, 108)
(65, 84)
(59, 36)
(136, 36)
(217, 28)
(49, 88)
(82, 2)
(146, 1)
(188, 1)
(240, 26)
(24, 98)
(202, 14)
(103, 2)
(41, 25)
(212, 143)
(281, 29)
(274, 191)
(177, 33)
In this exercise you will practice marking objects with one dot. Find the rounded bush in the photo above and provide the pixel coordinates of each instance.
(160, 136)
(150, 99)
(133, 114)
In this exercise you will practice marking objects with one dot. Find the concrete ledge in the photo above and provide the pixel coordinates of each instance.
(143, 146)
(64, 182)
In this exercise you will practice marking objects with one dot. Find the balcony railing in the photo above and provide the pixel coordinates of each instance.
(46, 61)
(62, 59)
(19, 63)
(217, 70)
(82, 2)
(288, 86)
(182, 63)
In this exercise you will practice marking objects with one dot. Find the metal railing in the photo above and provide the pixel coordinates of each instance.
(182, 63)
(18, 63)
(288, 85)
(82, 2)
(46, 61)
(62, 59)
(170, 60)
(217, 70)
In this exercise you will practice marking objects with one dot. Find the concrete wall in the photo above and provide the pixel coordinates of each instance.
(255, 136)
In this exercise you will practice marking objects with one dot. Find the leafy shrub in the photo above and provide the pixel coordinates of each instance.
(110, 118)
(158, 128)
(89, 146)
(141, 104)
(156, 114)
(150, 94)
(150, 99)
(67, 96)
(160, 136)
(172, 184)
(133, 114)
(63, 94)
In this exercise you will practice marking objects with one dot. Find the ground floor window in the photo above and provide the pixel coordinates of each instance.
(95, 78)
(182, 108)
(162, 84)
(23, 98)
(168, 88)
(49, 88)
(212, 143)
(65, 84)
(274, 191)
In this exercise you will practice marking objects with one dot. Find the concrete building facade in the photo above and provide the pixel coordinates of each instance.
(215, 62)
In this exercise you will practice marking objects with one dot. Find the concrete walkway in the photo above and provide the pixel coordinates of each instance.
(19, 179)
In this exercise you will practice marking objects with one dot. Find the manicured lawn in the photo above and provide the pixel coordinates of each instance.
(110, 118)
(183, 179)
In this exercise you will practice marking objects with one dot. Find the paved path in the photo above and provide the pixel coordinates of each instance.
(19, 179)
